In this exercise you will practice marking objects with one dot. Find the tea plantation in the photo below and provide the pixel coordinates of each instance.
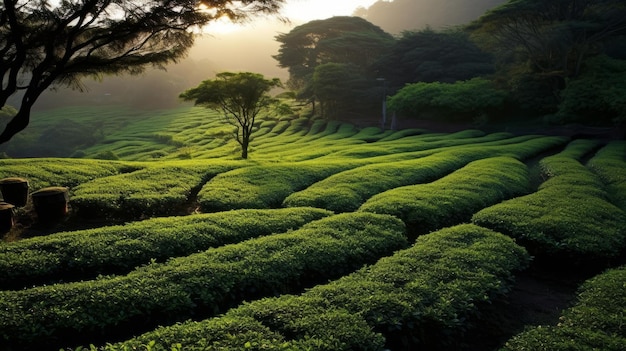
(329, 237)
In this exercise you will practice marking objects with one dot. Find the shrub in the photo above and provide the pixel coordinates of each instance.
(262, 186)
(568, 218)
(85, 254)
(609, 164)
(346, 191)
(454, 198)
(42, 173)
(422, 296)
(596, 322)
(156, 190)
(201, 284)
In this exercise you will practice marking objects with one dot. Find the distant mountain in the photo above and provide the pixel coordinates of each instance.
(400, 15)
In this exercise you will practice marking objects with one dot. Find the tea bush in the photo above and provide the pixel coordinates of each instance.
(596, 321)
(610, 165)
(453, 198)
(346, 191)
(417, 298)
(569, 216)
(201, 284)
(45, 172)
(262, 186)
(85, 254)
(156, 190)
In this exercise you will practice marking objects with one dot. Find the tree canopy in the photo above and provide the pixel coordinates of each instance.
(43, 44)
(240, 97)
(341, 39)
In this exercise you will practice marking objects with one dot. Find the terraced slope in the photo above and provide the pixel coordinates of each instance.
(329, 237)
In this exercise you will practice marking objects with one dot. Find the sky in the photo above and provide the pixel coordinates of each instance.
(307, 10)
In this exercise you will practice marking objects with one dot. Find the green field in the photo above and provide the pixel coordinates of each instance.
(328, 237)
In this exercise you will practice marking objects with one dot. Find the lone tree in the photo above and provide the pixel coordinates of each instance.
(240, 97)
(43, 43)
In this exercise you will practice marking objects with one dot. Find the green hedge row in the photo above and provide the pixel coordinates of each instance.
(263, 186)
(455, 198)
(418, 298)
(200, 284)
(153, 191)
(346, 191)
(610, 164)
(85, 254)
(45, 172)
(596, 322)
(568, 217)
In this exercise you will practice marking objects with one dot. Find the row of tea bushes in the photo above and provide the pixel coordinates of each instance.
(85, 254)
(153, 191)
(263, 186)
(419, 297)
(454, 198)
(46, 172)
(610, 164)
(596, 322)
(569, 217)
(346, 191)
(200, 284)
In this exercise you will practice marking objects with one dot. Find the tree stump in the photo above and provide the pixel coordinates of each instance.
(6, 217)
(14, 191)
(51, 204)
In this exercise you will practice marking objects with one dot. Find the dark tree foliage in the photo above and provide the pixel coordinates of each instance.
(43, 44)
(430, 56)
(549, 39)
(240, 97)
(349, 40)
(341, 89)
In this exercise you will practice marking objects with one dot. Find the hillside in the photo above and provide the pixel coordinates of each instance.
(331, 236)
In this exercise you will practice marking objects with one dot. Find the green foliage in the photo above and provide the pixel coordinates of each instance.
(462, 100)
(209, 281)
(341, 89)
(595, 322)
(609, 164)
(85, 254)
(454, 198)
(346, 191)
(596, 95)
(262, 186)
(419, 295)
(568, 216)
(42, 173)
(240, 97)
(156, 190)
(433, 56)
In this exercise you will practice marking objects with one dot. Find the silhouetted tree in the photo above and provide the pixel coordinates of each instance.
(240, 97)
(433, 56)
(341, 39)
(42, 44)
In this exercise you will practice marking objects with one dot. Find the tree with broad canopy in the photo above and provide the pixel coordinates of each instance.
(240, 97)
(44, 43)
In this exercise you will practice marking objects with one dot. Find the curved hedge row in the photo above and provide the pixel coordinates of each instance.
(454, 198)
(153, 191)
(201, 284)
(262, 186)
(610, 164)
(596, 322)
(85, 254)
(42, 173)
(569, 216)
(346, 191)
(417, 298)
